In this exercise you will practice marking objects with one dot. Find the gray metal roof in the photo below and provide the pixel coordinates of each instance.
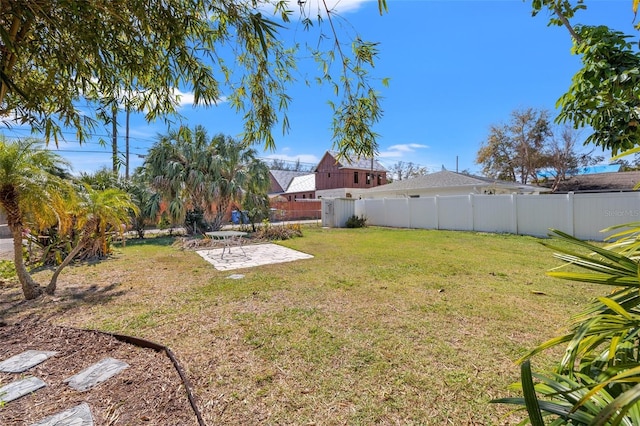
(446, 179)
(356, 163)
(615, 181)
(284, 177)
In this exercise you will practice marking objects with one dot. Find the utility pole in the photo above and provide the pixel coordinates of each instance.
(114, 131)
(126, 138)
(372, 180)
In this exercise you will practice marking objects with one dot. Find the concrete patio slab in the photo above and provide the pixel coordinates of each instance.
(20, 388)
(96, 374)
(80, 415)
(254, 255)
(24, 361)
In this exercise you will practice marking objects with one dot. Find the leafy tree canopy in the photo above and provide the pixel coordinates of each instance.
(605, 93)
(528, 145)
(515, 151)
(55, 53)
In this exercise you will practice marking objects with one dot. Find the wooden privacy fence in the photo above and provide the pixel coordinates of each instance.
(294, 210)
(581, 215)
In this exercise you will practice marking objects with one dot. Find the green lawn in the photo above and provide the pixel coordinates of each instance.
(382, 326)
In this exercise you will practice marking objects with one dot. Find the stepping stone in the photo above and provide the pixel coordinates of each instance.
(19, 388)
(24, 361)
(80, 415)
(236, 276)
(96, 373)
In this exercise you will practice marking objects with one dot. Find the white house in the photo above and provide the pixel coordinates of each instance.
(445, 183)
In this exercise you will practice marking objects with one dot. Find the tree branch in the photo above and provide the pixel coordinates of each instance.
(567, 24)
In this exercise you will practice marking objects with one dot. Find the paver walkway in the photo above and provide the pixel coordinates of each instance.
(250, 256)
(79, 415)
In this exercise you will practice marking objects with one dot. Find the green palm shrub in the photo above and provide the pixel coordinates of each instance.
(597, 381)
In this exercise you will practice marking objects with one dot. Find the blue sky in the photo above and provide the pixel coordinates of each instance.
(455, 68)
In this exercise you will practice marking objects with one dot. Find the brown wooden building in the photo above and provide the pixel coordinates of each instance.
(330, 178)
(335, 178)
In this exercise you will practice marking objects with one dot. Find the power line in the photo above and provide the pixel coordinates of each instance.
(27, 133)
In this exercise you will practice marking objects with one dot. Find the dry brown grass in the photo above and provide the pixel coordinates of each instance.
(381, 327)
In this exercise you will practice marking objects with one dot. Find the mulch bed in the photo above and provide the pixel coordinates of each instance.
(149, 392)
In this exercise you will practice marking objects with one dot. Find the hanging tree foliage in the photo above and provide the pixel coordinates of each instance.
(54, 53)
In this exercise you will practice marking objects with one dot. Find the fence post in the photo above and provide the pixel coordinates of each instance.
(514, 213)
(570, 215)
(472, 201)
(385, 209)
(437, 211)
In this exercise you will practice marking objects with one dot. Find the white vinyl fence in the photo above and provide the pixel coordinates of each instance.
(581, 215)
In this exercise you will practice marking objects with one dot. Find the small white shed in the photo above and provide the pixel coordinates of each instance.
(336, 211)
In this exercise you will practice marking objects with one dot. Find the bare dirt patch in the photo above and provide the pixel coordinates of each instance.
(149, 392)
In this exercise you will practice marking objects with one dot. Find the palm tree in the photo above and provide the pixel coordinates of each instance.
(239, 171)
(178, 167)
(98, 213)
(144, 199)
(256, 200)
(101, 179)
(195, 174)
(31, 191)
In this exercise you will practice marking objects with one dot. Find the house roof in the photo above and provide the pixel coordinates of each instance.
(587, 170)
(353, 162)
(306, 183)
(284, 177)
(620, 181)
(448, 179)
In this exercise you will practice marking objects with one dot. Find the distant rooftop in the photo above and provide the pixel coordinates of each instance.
(446, 179)
(598, 182)
(358, 163)
(284, 177)
(588, 170)
(306, 183)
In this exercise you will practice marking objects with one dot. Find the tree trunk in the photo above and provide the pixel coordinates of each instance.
(9, 201)
(221, 210)
(84, 239)
(30, 288)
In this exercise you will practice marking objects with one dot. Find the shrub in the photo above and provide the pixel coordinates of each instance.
(7, 270)
(356, 222)
(280, 232)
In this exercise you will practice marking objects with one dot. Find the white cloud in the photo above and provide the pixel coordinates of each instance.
(343, 6)
(400, 150)
(187, 98)
(183, 98)
(407, 147)
(313, 7)
(9, 122)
